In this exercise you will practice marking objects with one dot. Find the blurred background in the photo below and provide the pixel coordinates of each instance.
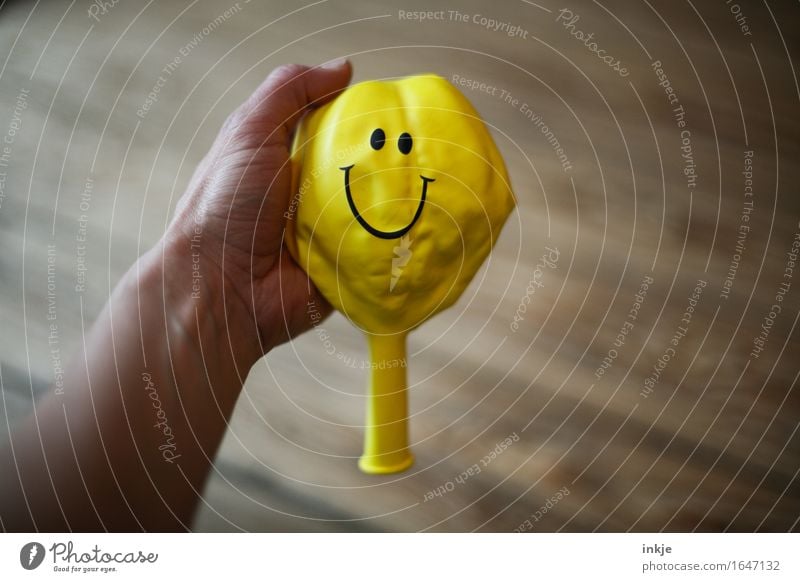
(639, 378)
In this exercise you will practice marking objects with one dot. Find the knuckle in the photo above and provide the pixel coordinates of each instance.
(233, 120)
(285, 73)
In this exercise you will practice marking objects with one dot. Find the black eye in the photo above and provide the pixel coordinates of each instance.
(404, 143)
(377, 139)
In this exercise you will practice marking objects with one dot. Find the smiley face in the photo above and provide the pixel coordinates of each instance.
(400, 195)
(404, 144)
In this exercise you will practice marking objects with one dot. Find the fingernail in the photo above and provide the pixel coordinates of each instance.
(334, 64)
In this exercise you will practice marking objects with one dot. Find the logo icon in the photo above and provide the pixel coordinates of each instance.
(31, 555)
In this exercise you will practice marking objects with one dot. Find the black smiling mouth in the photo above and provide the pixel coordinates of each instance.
(367, 226)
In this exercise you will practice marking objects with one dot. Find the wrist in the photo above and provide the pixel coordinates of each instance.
(200, 303)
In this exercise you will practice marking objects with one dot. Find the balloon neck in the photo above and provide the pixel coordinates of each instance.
(386, 433)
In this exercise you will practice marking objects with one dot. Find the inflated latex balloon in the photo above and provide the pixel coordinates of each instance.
(400, 195)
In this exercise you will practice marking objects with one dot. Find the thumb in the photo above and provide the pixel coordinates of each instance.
(271, 113)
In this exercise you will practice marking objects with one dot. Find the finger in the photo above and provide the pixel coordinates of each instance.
(278, 103)
(271, 113)
(304, 305)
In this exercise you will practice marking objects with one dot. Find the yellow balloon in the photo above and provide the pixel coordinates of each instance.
(400, 195)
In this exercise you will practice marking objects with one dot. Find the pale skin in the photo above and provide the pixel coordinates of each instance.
(130, 442)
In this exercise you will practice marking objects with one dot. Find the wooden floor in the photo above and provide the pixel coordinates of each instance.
(708, 442)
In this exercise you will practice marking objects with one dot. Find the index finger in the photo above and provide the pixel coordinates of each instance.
(271, 113)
